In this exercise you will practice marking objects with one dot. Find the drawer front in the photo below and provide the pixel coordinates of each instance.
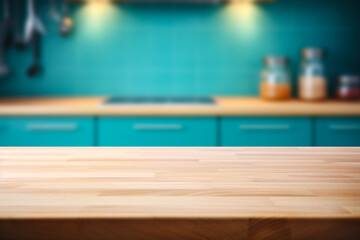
(46, 131)
(337, 131)
(157, 131)
(266, 131)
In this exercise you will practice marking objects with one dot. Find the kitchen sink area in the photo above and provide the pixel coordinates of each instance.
(115, 101)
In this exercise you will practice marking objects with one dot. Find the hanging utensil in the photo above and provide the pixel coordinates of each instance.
(5, 40)
(33, 31)
(35, 68)
(53, 12)
(66, 24)
(19, 41)
(33, 23)
(8, 24)
(4, 69)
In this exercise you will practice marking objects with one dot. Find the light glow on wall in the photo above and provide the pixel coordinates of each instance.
(97, 15)
(243, 15)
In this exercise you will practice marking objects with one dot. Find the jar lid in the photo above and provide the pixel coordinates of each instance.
(276, 60)
(349, 79)
(313, 52)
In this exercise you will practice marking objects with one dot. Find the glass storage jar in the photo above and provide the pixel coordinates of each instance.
(275, 79)
(348, 87)
(312, 80)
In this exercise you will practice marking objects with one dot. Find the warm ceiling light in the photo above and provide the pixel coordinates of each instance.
(249, 1)
(98, 1)
(179, 1)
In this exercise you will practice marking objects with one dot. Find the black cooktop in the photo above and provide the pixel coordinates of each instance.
(159, 101)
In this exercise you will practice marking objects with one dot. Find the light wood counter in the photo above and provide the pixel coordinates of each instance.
(180, 193)
(226, 106)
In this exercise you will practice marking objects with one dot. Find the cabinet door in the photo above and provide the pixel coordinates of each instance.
(250, 131)
(46, 131)
(157, 131)
(334, 131)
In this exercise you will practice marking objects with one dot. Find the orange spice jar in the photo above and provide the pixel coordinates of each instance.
(275, 91)
(275, 80)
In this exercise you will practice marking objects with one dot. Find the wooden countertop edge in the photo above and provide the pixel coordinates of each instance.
(178, 217)
(226, 106)
(185, 113)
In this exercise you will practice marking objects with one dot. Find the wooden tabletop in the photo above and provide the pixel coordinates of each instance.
(179, 182)
(180, 193)
(225, 106)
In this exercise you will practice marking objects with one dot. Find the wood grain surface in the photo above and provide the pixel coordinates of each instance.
(180, 193)
(225, 106)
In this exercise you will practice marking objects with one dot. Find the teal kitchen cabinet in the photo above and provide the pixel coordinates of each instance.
(266, 131)
(47, 131)
(337, 131)
(169, 131)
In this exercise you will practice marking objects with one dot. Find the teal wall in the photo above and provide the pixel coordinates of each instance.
(130, 49)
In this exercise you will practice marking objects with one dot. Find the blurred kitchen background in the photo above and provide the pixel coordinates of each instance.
(192, 48)
(182, 49)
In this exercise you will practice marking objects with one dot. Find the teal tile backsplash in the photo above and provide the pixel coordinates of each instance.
(169, 49)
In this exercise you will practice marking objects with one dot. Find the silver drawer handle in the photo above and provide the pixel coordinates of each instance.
(345, 127)
(52, 127)
(264, 127)
(157, 127)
